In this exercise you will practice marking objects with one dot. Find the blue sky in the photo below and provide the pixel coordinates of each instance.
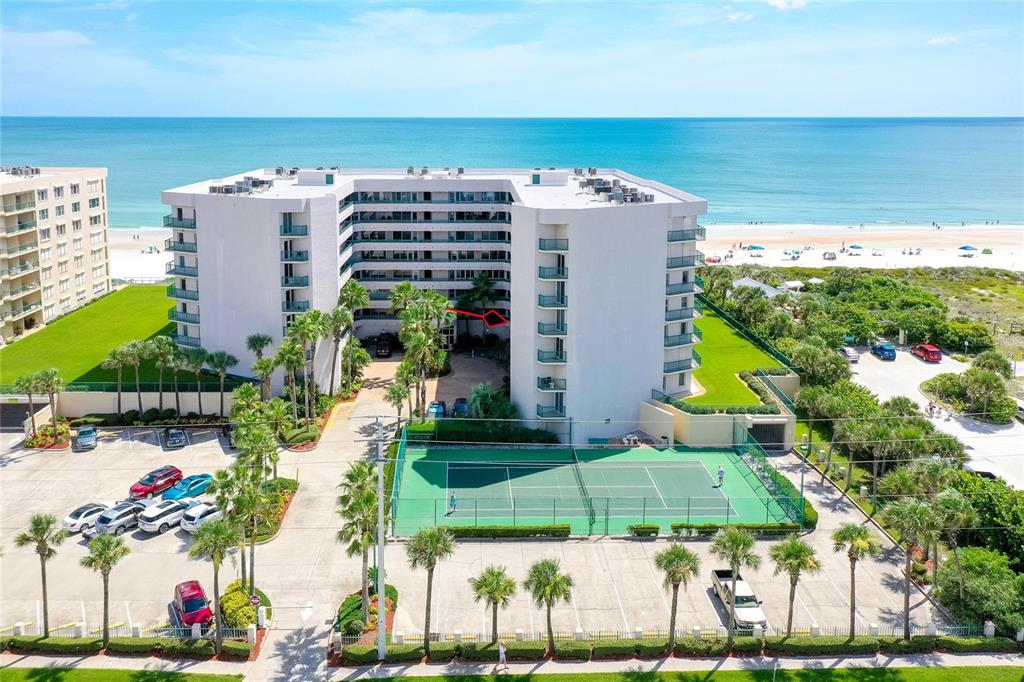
(537, 58)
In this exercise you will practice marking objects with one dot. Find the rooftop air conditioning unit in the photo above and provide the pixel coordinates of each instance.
(424, 171)
(615, 182)
(592, 170)
(461, 170)
(410, 171)
(577, 171)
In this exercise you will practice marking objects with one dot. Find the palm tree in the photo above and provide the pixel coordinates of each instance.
(735, 546)
(27, 384)
(406, 376)
(306, 330)
(811, 399)
(913, 522)
(162, 350)
(395, 395)
(195, 359)
(859, 543)
(177, 364)
(256, 343)
(338, 320)
(214, 541)
(482, 292)
(264, 369)
(252, 505)
(115, 360)
(134, 353)
(496, 588)
(793, 556)
(226, 486)
(679, 565)
(425, 549)
(220, 362)
(275, 412)
(105, 551)
(291, 356)
(45, 535)
(358, 511)
(351, 298)
(955, 512)
(419, 349)
(402, 295)
(548, 586)
(51, 384)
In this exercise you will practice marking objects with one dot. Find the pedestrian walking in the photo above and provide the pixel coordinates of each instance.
(502, 657)
(721, 476)
(451, 505)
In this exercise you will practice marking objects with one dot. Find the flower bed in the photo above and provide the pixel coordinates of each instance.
(307, 436)
(281, 492)
(47, 438)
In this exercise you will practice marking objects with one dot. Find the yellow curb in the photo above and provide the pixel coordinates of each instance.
(337, 409)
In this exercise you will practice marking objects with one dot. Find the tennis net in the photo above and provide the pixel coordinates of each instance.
(588, 502)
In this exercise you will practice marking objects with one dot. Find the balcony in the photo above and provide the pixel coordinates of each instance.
(684, 313)
(699, 281)
(551, 357)
(186, 294)
(186, 223)
(295, 282)
(183, 270)
(676, 340)
(18, 292)
(684, 261)
(22, 269)
(552, 273)
(294, 230)
(20, 206)
(679, 366)
(20, 227)
(179, 246)
(679, 288)
(550, 245)
(294, 306)
(556, 329)
(186, 340)
(186, 318)
(695, 234)
(295, 256)
(550, 412)
(22, 248)
(550, 384)
(17, 313)
(552, 301)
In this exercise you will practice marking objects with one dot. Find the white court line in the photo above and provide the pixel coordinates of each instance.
(665, 506)
(608, 566)
(508, 480)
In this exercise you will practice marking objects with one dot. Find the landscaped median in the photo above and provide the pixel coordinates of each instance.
(154, 646)
(280, 491)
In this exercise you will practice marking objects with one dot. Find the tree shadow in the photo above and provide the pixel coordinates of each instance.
(301, 653)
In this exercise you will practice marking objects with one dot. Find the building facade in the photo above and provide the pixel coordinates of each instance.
(594, 269)
(53, 245)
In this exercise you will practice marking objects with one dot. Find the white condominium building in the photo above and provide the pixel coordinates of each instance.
(53, 244)
(593, 268)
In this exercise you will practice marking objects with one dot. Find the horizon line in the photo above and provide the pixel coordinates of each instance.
(530, 118)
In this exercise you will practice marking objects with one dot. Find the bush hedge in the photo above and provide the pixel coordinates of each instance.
(234, 647)
(644, 530)
(966, 645)
(167, 646)
(359, 653)
(692, 646)
(748, 645)
(403, 652)
(526, 651)
(478, 652)
(482, 431)
(443, 651)
(550, 531)
(918, 644)
(615, 647)
(234, 604)
(576, 651)
(55, 645)
(708, 529)
(822, 646)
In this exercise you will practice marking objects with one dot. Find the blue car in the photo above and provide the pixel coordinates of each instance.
(884, 351)
(190, 486)
(86, 438)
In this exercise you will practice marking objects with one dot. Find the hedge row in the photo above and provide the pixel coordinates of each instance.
(550, 531)
(476, 431)
(644, 530)
(125, 645)
(708, 529)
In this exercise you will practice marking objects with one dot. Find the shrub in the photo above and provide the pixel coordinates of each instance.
(136, 645)
(359, 653)
(552, 531)
(822, 646)
(709, 529)
(188, 647)
(482, 431)
(403, 652)
(324, 403)
(55, 645)
(747, 645)
(169, 414)
(966, 645)
(918, 644)
(479, 652)
(353, 627)
(652, 648)
(151, 415)
(443, 651)
(615, 647)
(644, 530)
(234, 604)
(810, 515)
(691, 646)
(301, 435)
(234, 647)
(131, 416)
(577, 651)
(526, 651)
(281, 486)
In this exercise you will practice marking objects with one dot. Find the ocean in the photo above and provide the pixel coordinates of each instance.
(827, 171)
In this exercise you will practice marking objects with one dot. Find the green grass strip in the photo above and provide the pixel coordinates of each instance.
(979, 674)
(105, 675)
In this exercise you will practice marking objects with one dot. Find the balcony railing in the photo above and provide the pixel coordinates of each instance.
(552, 301)
(19, 206)
(700, 282)
(295, 256)
(295, 282)
(179, 316)
(18, 292)
(678, 366)
(183, 270)
(553, 245)
(550, 412)
(550, 384)
(294, 306)
(552, 273)
(20, 227)
(185, 340)
(23, 310)
(187, 294)
(183, 247)
(693, 234)
(21, 269)
(294, 230)
(552, 329)
(22, 248)
(187, 223)
(684, 313)
(684, 261)
(676, 340)
(679, 288)
(551, 357)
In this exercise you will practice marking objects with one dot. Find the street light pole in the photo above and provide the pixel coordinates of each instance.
(382, 609)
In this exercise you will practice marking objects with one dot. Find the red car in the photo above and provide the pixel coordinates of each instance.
(191, 604)
(155, 482)
(927, 352)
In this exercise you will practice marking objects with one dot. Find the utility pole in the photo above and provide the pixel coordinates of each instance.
(382, 609)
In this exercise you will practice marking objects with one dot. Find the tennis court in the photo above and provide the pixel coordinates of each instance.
(595, 490)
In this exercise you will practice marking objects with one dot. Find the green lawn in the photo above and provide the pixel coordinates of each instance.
(724, 354)
(105, 675)
(77, 343)
(809, 674)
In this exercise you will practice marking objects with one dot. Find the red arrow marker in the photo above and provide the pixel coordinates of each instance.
(491, 318)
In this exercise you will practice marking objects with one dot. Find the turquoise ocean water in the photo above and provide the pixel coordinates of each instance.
(773, 170)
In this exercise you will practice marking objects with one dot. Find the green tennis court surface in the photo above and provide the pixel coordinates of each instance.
(604, 493)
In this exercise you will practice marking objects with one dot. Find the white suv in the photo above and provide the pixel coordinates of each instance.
(84, 517)
(159, 517)
(200, 514)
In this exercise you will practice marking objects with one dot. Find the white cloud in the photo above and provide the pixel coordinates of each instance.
(787, 4)
(426, 28)
(42, 39)
(942, 40)
(735, 15)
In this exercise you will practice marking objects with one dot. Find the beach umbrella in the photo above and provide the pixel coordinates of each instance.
(856, 246)
(967, 247)
(755, 247)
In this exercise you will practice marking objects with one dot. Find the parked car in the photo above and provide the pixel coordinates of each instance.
(159, 517)
(850, 354)
(191, 604)
(117, 519)
(383, 349)
(437, 410)
(460, 408)
(195, 516)
(747, 605)
(190, 486)
(84, 517)
(884, 351)
(155, 482)
(87, 437)
(174, 438)
(1020, 413)
(926, 352)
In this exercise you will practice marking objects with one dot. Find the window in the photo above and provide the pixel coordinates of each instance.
(74, 189)
(65, 284)
(58, 191)
(44, 234)
(44, 214)
(65, 303)
(97, 254)
(45, 254)
(40, 195)
(80, 295)
(95, 219)
(96, 238)
(76, 225)
(99, 287)
(76, 206)
(59, 210)
(47, 272)
(62, 248)
(99, 271)
(62, 267)
(48, 311)
(48, 292)
(94, 202)
(79, 261)
(93, 185)
(77, 244)
(80, 279)
(61, 230)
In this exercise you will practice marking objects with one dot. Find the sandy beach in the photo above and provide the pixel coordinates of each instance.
(881, 246)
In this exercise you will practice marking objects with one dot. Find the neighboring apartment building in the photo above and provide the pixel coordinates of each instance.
(594, 268)
(53, 244)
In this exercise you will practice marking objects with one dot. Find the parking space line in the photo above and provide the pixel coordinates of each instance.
(128, 612)
(608, 567)
(85, 625)
(657, 583)
(842, 595)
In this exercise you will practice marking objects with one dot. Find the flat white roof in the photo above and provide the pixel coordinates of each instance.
(567, 194)
(7, 176)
